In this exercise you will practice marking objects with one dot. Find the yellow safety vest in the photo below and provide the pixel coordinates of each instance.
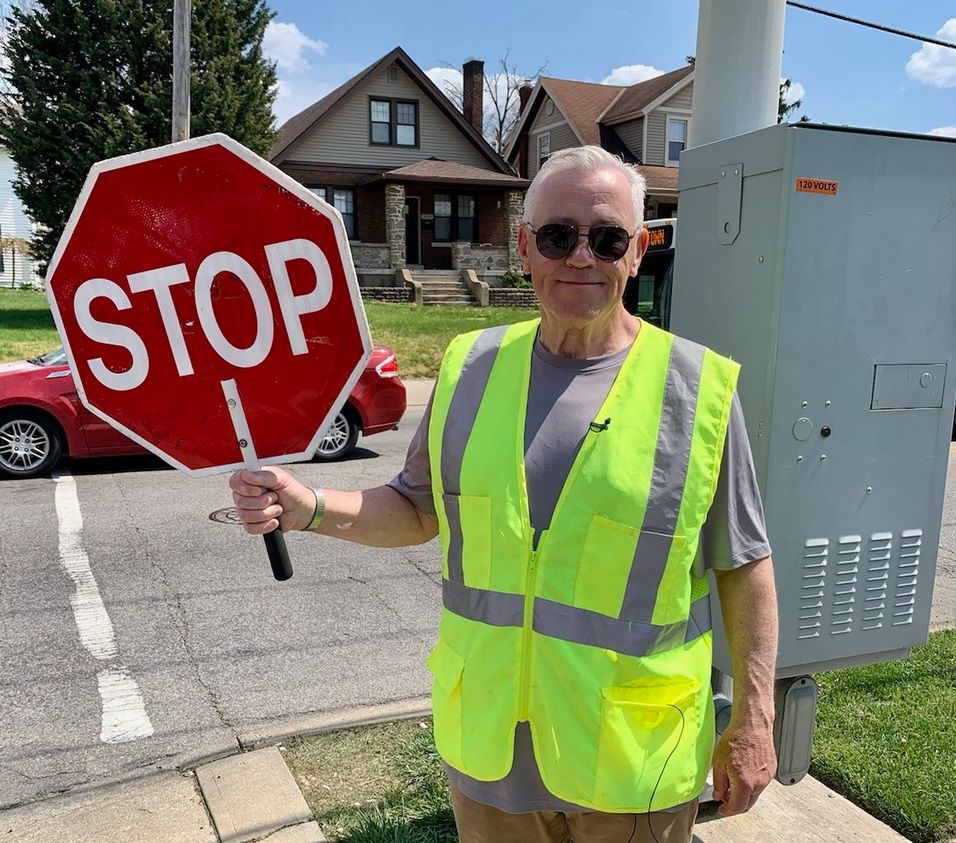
(600, 636)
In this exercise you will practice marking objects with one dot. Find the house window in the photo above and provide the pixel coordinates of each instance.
(544, 148)
(455, 217)
(405, 123)
(466, 218)
(343, 200)
(676, 140)
(393, 122)
(381, 116)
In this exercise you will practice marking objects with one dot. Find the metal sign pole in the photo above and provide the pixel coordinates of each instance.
(182, 13)
(275, 542)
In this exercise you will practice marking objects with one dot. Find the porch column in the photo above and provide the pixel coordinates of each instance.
(514, 210)
(395, 224)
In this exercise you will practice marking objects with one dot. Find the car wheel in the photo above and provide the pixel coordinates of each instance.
(30, 443)
(341, 438)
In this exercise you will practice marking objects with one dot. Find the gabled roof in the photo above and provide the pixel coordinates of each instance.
(633, 102)
(587, 106)
(580, 103)
(294, 128)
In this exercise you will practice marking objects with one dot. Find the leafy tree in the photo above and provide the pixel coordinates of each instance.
(91, 79)
(784, 110)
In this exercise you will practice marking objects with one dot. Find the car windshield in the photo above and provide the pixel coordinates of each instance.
(57, 357)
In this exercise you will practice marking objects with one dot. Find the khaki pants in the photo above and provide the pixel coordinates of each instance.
(478, 823)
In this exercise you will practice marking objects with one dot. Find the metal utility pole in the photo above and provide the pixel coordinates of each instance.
(737, 69)
(182, 12)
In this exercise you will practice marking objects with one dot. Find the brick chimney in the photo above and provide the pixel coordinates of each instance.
(523, 93)
(472, 92)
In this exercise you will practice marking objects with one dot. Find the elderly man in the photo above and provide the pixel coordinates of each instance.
(583, 470)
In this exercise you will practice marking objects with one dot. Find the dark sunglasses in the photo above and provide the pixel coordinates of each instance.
(557, 240)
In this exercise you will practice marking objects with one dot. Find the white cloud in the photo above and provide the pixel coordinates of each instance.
(291, 99)
(289, 47)
(446, 79)
(935, 65)
(631, 74)
(944, 131)
(795, 92)
(4, 61)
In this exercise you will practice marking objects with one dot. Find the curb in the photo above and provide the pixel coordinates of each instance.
(335, 721)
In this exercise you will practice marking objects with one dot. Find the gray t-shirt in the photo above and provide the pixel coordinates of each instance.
(564, 396)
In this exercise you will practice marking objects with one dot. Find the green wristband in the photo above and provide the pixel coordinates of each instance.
(319, 509)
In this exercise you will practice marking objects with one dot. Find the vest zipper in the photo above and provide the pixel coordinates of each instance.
(525, 679)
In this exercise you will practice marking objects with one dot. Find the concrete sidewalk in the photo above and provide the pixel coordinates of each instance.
(252, 796)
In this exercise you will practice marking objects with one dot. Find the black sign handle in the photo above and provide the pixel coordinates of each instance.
(278, 555)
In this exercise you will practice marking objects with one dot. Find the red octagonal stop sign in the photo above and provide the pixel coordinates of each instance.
(208, 305)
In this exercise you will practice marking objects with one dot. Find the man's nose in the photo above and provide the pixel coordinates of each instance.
(581, 255)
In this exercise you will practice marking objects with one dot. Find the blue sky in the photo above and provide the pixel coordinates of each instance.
(849, 75)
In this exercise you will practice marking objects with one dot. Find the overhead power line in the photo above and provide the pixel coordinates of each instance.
(915, 36)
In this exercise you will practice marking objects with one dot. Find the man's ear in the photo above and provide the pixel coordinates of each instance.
(643, 238)
(523, 242)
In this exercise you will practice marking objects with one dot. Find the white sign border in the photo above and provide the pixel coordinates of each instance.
(292, 186)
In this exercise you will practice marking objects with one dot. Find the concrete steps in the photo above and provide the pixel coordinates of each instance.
(440, 287)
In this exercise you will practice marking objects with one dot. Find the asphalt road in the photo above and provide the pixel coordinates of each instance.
(216, 650)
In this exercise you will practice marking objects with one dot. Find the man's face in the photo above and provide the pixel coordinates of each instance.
(581, 288)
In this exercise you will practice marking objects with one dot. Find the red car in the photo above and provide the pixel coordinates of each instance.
(42, 419)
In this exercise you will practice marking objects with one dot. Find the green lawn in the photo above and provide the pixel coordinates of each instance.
(419, 335)
(26, 326)
(885, 739)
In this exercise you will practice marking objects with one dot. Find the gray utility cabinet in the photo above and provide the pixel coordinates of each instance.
(823, 259)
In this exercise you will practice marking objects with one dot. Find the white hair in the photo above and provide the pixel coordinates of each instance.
(586, 158)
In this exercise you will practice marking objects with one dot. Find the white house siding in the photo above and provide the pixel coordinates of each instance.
(632, 134)
(562, 137)
(343, 136)
(13, 222)
(656, 127)
(682, 99)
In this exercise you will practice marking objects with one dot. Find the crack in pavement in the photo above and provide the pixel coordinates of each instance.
(433, 577)
(173, 600)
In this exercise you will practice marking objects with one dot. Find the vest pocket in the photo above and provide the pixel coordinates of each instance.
(446, 667)
(648, 742)
(605, 562)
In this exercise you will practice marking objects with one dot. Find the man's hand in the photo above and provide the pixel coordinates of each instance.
(744, 764)
(744, 759)
(271, 498)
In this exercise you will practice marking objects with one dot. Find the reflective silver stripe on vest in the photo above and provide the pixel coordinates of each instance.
(459, 421)
(628, 637)
(671, 458)
(497, 608)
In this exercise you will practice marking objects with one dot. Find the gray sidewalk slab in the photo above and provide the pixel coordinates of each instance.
(160, 808)
(418, 391)
(252, 795)
(806, 812)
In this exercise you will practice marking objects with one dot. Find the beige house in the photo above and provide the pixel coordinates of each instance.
(646, 124)
(418, 186)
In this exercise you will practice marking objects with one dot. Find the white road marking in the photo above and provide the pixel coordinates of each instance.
(124, 712)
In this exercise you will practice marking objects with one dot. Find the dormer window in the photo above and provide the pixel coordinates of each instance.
(393, 122)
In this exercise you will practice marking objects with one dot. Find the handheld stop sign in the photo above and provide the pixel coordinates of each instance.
(209, 308)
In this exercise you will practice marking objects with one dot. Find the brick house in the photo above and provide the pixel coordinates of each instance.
(416, 183)
(646, 124)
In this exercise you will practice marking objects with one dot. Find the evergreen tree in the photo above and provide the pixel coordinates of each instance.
(92, 79)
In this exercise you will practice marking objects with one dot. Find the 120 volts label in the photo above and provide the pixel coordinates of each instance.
(824, 186)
